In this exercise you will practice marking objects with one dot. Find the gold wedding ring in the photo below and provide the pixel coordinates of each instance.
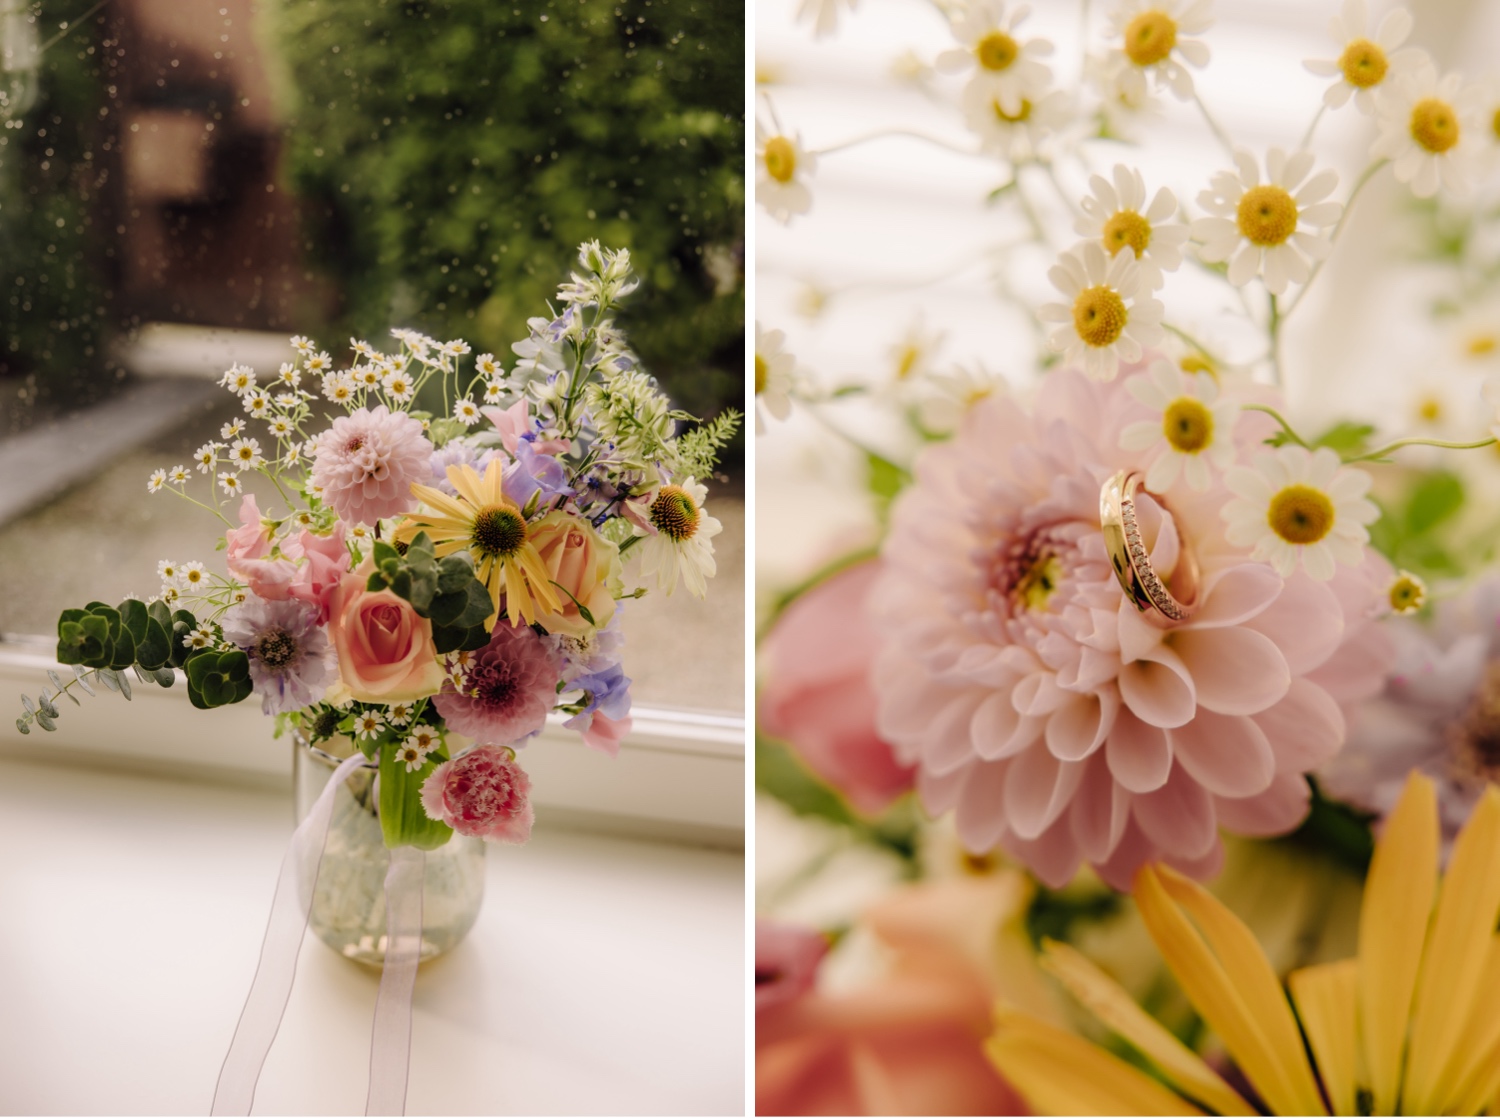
(1127, 553)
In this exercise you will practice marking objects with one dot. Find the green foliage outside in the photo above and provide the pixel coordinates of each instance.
(454, 153)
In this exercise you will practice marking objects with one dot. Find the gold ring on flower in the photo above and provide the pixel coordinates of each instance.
(1127, 554)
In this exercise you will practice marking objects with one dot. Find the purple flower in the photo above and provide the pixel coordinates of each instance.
(533, 471)
(290, 662)
(609, 694)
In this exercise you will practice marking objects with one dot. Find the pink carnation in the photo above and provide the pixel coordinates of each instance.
(1045, 711)
(483, 793)
(365, 464)
(508, 690)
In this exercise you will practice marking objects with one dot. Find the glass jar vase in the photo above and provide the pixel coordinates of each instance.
(348, 905)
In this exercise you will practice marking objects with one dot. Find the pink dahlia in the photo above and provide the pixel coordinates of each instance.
(1056, 721)
(366, 462)
(483, 793)
(508, 689)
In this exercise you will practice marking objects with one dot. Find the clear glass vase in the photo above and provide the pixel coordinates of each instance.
(348, 906)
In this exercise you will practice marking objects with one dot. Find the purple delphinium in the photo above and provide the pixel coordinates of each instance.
(289, 653)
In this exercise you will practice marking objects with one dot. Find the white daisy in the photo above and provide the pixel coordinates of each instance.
(1297, 505)
(238, 379)
(170, 594)
(782, 165)
(1110, 315)
(912, 353)
(823, 14)
(155, 482)
(456, 348)
(288, 375)
(257, 403)
(466, 411)
(361, 349)
(399, 714)
(169, 572)
(302, 345)
(1153, 40)
(245, 454)
(1407, 593)
(193, 576)
(207, 456)
(286, 400)
(178, 475)
(230, 483)
(339, 388)
(494, 392)
(1274, 229)
(773, 376)
(367, 724)
(305, 518)
(1126, 105)
(293, 454)
(956, 392)
(281, 427)
(360, 533)
(1117, 216)
(318, 363)
(367, 377)
(1016, 136)
(199, 638)
(486, 365)
(231, 429)
(1193, 426)
(399, 387)
(1005, 67)
(1368, 59)
(1429, 129)
(679, 544)
(414, 755)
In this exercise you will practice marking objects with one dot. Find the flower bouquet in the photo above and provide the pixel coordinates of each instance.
(1162, 632)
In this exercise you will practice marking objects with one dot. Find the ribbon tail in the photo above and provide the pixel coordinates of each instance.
(390, 1039)
(285, 928)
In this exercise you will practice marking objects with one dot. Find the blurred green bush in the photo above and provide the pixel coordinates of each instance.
(453, 154)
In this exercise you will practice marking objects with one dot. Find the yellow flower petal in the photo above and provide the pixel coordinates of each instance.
(1057, 1072)
(1462, 928)
(539, 577)
(1392, 928)
(1476, 1074)
(467, 481)
(444, 504)
(1232, 985)
(1106, 1000)
(1325, 997)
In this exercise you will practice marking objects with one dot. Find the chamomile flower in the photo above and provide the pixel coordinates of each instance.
(1110, 315)
(1407, 593)
(286, 400)
(318, 363)
(201, 637)
(1369, 59)
(912, 353)
(170, 595)
(257, 403)
(1006, 70)
(399, 386)
(956, 391)
(486, 365)
(1126, 105)
(1154, 40)
(1192, 429)
(230, 483)
(823, 15)
(339, 388)
(178, 475)
(368, 724)
(359, 533)
(292, 455)
(194, 577)
(773, 376)
(782, 166)
(303, 346)
(466, 411)
(398, 714)
(1018, 135)
(281, 427)
(1299, 506)
(238, 379)
(245, 454)
(232, 429)
(679, 543)
(413, 752)
(456, 348)
(207, 456)
(304, 518)
(1116, 215)
(361, 349)
(169, 572)
(494, 392)
(156, 481)
(1429, 130)
(1273, 229)
(288, 375)
(237, 597)
(367, 377)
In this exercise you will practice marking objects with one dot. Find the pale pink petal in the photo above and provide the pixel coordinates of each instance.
(1228, 755)
(1178, 816)
(1305, 729)
(1159, 690)
(1305, 622)
(1037, 788)
(1100, 810)
(1139, 755)
(1235, 670)
(1079, 727)
(980, 814)
(1276, 811)
(1236, 594)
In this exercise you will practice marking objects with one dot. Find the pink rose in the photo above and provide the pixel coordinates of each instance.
(786, 962)
(385, 649)
(327, 561)
(248, 545)
(584, 564)
(818, 696)
(484, 794)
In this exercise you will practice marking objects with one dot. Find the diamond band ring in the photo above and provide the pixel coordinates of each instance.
(1147, 591)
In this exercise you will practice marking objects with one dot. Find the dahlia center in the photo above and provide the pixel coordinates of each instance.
(499, 531)
(1150, 37)
(1188, 425)
(1267, 215)
(760, 374)
(1020, 116)
(1301, 514)
(1434, 125)
(354, 444)
(674, 513)
(997, 51)
(275, 648)
(1099, 316)
(781, 159)
(1475, 738)
(1363, 64)
(495, 689)
(1039, 580)
(1127, 228)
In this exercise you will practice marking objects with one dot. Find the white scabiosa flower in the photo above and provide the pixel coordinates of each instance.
(1153, 37)
(1116, 215)
(1368, 58)
(1273, 229)
(773, 376)
(1299, 506)
(678, 543)
(1193, 428)
(1004, 67)
(782, 166)
(1110, 315)
(1429, 130)
(1017, 135)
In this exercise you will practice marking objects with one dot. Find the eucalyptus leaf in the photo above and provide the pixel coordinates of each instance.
(23, 724)
(44, 721)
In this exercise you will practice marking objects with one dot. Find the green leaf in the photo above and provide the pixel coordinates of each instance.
(1346, 437)
(124, 683)
(217, 679)
(133, 617)
(402, 820)
(165, 677)
(23, 725)
(81, 674)
(886, 478)
(1436, 497)
(183, 623)
(44, 721)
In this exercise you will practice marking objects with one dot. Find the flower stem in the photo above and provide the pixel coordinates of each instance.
(1279, 418)
(890, 133)
(1213, 126)
(201, 505)
(1311, 128)
(1359, 185)
(1379, 453)
(1273, 332)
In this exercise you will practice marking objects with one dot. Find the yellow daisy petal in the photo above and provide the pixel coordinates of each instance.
(1476, 1076)
(1325, 997)
(437, 499)
(467, 482)
(1057, 1072)
(518, 603)
(448, 546)
(1392, 928)
(1106, 1000)
(541, 580)
(491, 486)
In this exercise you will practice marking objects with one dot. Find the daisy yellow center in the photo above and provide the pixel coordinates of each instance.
(781, 159)
(1430, 410)
(996, 51)
(1035, 586)
(1407, 593)
(674, 513)
(498, 531)
(1099, 316)
(1300, 514)
(1363, 64)
(1196, 363)
(1482, 345)
(906, 361)
(1127, 228)
(275, 648)
(410, 755)
(1020, 116)
(760, 374)
(1434, 125)
(1267, 215)
(1495, 124)
(1150, 37)
(1187, 425)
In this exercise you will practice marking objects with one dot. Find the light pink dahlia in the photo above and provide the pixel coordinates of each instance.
(508, 689)
(1044, 710)
(366, 461)
(483, 793)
